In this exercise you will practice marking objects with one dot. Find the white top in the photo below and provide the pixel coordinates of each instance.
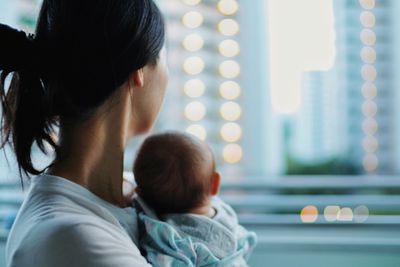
(63, 224)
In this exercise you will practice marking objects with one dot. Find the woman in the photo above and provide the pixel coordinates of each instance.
(95, 68)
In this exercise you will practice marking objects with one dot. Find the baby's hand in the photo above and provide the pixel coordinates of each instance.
(128, 190)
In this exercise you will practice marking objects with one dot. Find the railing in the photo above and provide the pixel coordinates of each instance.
(262, 202)
(281, 199)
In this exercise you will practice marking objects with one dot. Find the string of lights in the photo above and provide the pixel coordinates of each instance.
(369, 89)
(209, 72)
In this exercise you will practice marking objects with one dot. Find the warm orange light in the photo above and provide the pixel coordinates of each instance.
(309, 214)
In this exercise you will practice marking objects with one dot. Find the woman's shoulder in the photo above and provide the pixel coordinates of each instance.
(57, 202)
(61, 221)
(56, 242)
(53, 199)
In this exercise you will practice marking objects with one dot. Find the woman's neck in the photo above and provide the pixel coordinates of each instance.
(92, 153)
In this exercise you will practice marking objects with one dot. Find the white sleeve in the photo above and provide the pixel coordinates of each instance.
(85, 245)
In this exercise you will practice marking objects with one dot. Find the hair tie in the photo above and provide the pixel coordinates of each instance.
(17, 50)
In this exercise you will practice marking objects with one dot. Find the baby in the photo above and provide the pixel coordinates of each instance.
(177, 179)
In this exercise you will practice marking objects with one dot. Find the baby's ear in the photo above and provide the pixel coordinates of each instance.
(215, 183)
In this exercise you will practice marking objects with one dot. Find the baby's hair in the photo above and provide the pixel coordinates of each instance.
(171, 172)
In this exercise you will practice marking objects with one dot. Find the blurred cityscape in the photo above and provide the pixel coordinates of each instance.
(299, 100)
(233, 83)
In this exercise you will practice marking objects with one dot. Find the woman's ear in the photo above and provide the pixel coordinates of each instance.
(215, 183)
(137, 78)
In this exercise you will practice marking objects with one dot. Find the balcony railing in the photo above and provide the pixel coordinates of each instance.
(262, 202)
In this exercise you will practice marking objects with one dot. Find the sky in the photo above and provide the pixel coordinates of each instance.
(302, 38)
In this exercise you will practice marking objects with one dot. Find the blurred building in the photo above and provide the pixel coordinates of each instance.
(364, 68)
(218, 90)
(348, 112)
(316, 129)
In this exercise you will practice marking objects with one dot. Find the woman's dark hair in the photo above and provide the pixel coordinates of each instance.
(81, 53)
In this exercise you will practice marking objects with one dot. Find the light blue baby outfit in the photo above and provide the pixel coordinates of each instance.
(190, 240)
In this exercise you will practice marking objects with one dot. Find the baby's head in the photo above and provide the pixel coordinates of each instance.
(175, 173)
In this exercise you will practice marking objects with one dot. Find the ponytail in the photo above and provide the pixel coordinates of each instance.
(82, 52)
(26, 103)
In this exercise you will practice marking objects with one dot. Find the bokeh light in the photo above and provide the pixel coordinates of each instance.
(370, 144)
(231, 132)
(195, 111)
(193, 42)
(194, 65)
(194, 88)
(230, 90)
(331, 213)
(367, 19)
(361, 214)
(370, 162)
(232, 153)
(369, 73)
(229, 69)
(309, 214)
(228, 27)
(370, 126)
(197, 130)
(369, 90)
(368, 55)
(229, 48)
(192, 2)
(345, 215)
(228, 7)
(367, 4)
(231, 111)
(368, 37)
(192, 19)
(369, 108)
